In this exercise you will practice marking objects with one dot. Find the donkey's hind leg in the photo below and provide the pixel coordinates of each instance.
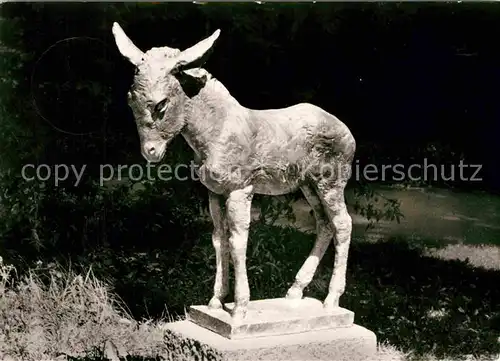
(220, 241)
(324, 234)
(331, 193)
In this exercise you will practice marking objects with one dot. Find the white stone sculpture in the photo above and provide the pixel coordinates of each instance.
(241, 152)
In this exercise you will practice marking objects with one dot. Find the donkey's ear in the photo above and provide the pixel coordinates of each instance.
(197, 55)
(126, 46)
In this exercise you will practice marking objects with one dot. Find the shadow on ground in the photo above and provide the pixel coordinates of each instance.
(423, 304)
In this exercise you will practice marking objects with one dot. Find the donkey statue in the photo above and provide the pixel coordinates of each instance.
(240, 152)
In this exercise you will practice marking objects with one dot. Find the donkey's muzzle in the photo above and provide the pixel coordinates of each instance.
(153, 152)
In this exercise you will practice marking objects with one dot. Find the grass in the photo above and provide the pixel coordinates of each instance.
(421, 307)
(424, 305)
(63, 314)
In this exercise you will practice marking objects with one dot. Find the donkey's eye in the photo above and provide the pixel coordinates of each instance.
(160, 107)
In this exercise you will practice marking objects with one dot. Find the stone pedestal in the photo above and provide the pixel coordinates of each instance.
(273, 329)
(271, 317)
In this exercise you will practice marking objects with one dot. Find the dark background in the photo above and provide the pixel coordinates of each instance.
(411, 80)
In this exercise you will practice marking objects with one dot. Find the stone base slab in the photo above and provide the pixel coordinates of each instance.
(189, 341)
(271, 317)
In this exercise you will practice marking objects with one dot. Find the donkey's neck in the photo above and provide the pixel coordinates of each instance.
(206, 116)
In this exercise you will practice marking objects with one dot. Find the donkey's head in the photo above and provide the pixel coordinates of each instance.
(164, 81)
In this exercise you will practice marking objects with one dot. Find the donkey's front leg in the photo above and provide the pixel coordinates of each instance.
(238, 207)
(221, 246)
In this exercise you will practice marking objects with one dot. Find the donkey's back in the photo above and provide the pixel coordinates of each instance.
(302, 121)
(280, 148)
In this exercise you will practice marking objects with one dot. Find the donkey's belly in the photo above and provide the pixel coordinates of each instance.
(275, 189)
(264, 182)
(275, 183)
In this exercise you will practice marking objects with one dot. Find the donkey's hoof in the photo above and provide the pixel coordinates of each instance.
(294, 293)
(331, 303)
(215, 303)
(238, 315)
